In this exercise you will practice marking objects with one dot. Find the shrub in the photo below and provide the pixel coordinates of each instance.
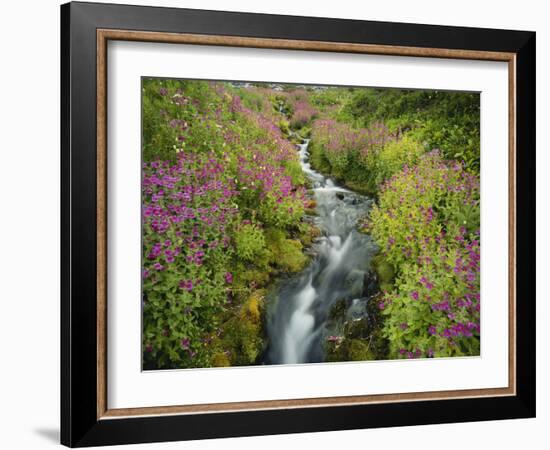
(395, 155)
(352, 154)
(302, 114)
(249, 241)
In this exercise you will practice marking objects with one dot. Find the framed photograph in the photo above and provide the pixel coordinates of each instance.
(277, 224)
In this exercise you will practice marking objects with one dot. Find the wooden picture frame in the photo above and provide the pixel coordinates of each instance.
(86, 418)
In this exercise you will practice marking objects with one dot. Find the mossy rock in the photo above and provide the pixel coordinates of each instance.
(245, 275)
(359, 350)
(359, 339)
(286, 254)
(292, 258)
(308, 234)
(338, 310)
(243, 339)
(364, 188)
(358, 329)
(252, 308)
(220, 359)
(350, 350)
(385, 271)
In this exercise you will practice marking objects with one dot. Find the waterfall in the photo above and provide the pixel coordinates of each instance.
(296, 321)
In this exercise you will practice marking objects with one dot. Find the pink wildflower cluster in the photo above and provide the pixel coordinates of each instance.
(427, 224)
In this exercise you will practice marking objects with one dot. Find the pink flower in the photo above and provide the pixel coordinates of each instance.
(186, 284)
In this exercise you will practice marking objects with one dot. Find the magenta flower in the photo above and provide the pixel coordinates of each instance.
(228, 277)
(186, 284)
(414, 295)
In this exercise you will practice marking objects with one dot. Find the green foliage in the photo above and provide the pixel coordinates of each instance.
(395, 155)
(245, 214)
(220, 359)
(170, 118)
(318, 158)
(280, 212)
(284, 125)
(448, 121)
(352, 350)
(254, 99)
(249, 241)
(295, 172)
(217, 172)
(419, 223)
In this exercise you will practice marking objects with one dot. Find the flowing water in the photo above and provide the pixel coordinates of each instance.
(340, 269)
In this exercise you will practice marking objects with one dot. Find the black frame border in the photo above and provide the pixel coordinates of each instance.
(79, 424)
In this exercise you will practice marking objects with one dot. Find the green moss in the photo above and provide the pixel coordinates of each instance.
(245, 274)
(385, 271)
(242, 338)
(220, 359)
(251, 310)
(361, 187)
(359, 350)
(350, 350)
(338, 310)
(286, 254)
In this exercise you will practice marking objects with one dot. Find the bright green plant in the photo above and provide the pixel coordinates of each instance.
(249, 241)
(395, 155)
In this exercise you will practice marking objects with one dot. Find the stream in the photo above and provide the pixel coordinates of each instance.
(297, 321)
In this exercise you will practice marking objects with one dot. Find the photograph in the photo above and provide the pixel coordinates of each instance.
(289, 222)
(298, 223)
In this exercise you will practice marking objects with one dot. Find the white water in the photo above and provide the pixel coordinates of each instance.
(342, 258)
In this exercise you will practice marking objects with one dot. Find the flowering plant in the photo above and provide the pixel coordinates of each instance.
(433, 307)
